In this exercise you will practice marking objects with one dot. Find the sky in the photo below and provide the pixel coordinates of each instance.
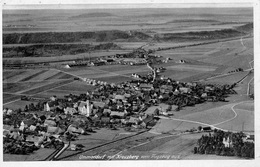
(84, 4)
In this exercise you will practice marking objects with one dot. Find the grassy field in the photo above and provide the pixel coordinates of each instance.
(18, 76)
(18, 104)
(47, 87)
(236, 53)
(212, 116)
(76, 86)
(229, 79)
(64, 57)
(167, 147)
(9, 97)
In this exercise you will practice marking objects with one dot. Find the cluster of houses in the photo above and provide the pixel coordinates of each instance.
(109, 106)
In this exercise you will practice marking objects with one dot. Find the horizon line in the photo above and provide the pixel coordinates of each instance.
(124, 6)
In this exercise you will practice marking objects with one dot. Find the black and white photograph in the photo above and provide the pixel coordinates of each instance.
(117, 81)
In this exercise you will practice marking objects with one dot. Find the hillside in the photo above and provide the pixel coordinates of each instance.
(55, 49)
(202, 35)
(91, 15)
(247, 28)
(63, 37)
(124, 36)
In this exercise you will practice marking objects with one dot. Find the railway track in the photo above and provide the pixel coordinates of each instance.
(51, 156)
(55, 154)
(100, 146)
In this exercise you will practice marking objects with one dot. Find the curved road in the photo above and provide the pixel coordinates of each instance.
(206, 124)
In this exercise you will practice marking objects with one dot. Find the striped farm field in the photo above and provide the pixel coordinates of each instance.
(77, 86)
(9, 97)
(47, 87)
(10, 73)
(20, 76)
(21, 86)
(57, 75)
(33, 77)
(45, 74)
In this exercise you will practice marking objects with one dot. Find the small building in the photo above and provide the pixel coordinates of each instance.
(99, 63)
(146, 86)
(105, 120)
(115, 113)
(147, 120)
(227, 142)
(70, 110)
(206, 129)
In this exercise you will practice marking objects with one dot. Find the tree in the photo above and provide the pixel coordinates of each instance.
(156, 111)
(237, 151)
(195, 150)
(199, 128)
(26, 108)
(169, 108)
(19, 110)
(31, 107)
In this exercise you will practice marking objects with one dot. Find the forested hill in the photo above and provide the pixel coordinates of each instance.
(123, 36)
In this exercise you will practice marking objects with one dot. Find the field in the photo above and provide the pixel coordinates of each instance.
(85, 56)
(166, 147)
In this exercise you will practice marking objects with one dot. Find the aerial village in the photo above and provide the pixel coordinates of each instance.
(55, 121)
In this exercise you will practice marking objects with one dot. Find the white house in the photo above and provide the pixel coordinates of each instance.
(46, 107)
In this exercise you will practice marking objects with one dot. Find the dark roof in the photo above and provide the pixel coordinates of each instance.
(105, 119)
(146, 86)
(148, 119)
(206, 128)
